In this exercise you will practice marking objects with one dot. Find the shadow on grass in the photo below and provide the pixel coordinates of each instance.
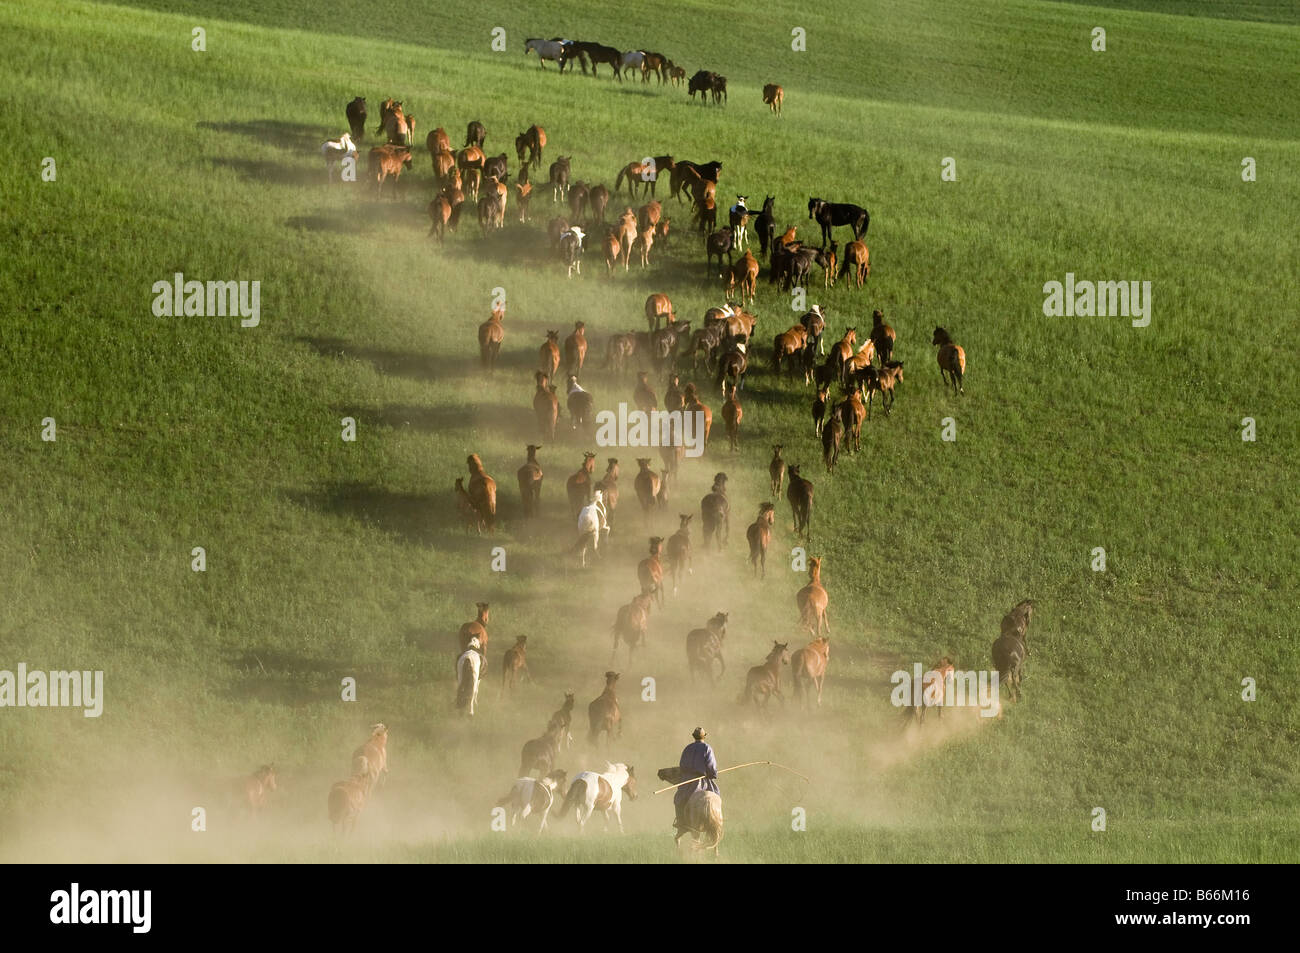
(419, 367)
(293, 136)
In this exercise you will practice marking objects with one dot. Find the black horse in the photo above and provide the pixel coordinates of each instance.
(830, 214)
(357, 118)
(702, 82)
(595, 53)
(719, 88)
(719, 243)
(765, 225)
(475, 133)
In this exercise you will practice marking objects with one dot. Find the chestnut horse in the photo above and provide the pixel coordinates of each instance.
(764, 681)
(603, 714)
(760, 537)
(650, 571)
(808, 664)
(952, 360)
(490, 335)
(532, 140)
(476, 629)
(546, 406)
(482, 491)
(812, 601)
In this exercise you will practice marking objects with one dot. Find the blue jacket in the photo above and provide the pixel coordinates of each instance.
(697, 759)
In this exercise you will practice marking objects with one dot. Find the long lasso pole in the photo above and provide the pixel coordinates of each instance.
(734, 767)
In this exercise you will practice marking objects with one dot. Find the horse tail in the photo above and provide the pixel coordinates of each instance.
(712, 822)
(619, 180)
(577, 794)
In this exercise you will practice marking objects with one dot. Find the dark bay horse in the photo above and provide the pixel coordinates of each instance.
(831, 214)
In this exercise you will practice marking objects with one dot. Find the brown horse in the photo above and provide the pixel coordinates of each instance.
(776, 469)
(255, 789)
(764, 681)
(579, 486)
(563, 717)
(346, 801)
(548, 355)
(437, 141)
(634, 172)
(882, 336)
(631, 624)
(490, 335)
(857, 262)
(475, 133)
(470, 161)
(546, 405)
(530, 483)
(819, 408)
(808, 665)
(608, 486)
(372, 755)
(532, 140)
(704, 647)
(732, 414)
(691, 403)
(650, 571)
(657, 307)
(644, 395)
(645, 241)
(800, 495)
(612, 251)
(934, 685)
(575, 349)
(760, 537)
(482, 491)
(773, 96)
(514, 664)
(387, 162)
(648, 485)
(832, 440)
(649, 215)
(787, 346)
(852, 412)
(813, 601)
(952, 360)
(604, 715)
(679, 550)
(539, 753)
(475, 630)
(745, 273)
(469, 514)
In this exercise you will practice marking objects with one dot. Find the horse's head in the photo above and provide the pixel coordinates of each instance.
(719, 623)
(813, 206)
(940, 337)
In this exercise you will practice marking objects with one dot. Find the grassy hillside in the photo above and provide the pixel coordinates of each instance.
(329, 559)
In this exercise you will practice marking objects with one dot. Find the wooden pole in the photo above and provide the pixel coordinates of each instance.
(734, 767)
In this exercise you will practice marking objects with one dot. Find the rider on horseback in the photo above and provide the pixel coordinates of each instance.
(699, 763)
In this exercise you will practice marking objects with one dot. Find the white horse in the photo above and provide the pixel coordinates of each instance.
(533, 796)
(546, 50)
(334, 151)
(593, 522)
(468, 667)
(602, 792)
(739, 214)
(634, 59)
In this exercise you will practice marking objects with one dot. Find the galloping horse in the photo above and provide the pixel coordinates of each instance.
(602, 792)
(534, 796)
(773, 96)
(704, 647)
(812, 601)
(468, 667)
(809, 665)
(764, 681)
(604, 715)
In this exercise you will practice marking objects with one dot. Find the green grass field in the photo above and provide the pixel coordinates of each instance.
(328, 559)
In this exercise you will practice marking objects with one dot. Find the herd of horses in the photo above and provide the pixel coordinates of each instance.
(718, 352)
